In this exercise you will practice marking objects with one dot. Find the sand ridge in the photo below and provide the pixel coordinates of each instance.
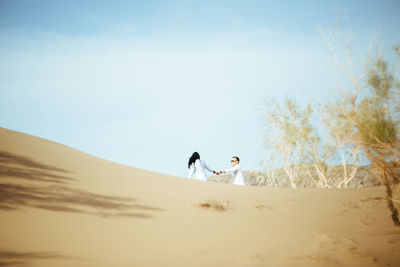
(62, 207)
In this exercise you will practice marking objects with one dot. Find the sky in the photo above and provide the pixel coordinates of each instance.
(147, 83)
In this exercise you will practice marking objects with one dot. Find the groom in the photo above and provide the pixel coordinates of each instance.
(236, 171)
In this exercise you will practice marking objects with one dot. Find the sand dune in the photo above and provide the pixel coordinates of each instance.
(62, 207)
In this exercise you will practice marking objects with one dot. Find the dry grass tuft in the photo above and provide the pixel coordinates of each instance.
(214, 205)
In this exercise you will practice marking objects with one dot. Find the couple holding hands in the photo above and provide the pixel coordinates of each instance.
(197, 169)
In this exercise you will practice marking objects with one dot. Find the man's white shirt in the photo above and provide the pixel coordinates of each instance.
(237, 175)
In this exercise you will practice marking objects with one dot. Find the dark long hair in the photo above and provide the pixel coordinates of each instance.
(193, 158)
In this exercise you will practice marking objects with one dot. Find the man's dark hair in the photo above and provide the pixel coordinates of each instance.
(237, 158)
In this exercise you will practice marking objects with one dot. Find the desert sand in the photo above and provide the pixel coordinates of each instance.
(62, 207)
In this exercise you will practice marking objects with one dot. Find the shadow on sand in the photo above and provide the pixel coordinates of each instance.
(12, 258)
(56, 194)
(20, 167)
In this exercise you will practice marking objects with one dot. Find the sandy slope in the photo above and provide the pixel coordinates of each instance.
(61, 207)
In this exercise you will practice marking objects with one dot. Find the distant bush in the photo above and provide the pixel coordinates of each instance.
(366, 176)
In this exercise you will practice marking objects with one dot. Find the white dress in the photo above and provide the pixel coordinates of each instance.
(237, 175)
(197, 170)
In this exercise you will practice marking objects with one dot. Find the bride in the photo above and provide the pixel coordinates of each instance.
(197, 168)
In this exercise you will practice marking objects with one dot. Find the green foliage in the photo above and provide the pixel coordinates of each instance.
(379, 78)
(374, 119)
(375, 127)
(290, 124)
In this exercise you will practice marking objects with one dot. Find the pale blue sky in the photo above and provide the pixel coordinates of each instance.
(146, 83)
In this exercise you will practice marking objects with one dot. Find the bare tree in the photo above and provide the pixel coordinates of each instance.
(288, 134)
(269, 173)
(370, 115)
(340, 134)
(378, 131)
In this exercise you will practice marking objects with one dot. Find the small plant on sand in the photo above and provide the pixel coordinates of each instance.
(213, 205)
